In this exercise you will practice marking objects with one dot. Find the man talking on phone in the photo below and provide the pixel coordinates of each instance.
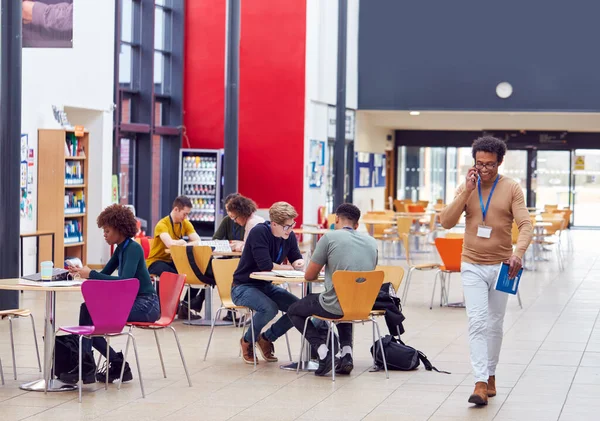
(491, 203)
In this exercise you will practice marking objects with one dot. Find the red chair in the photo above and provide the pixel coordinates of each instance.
(450, 251)
(171, 285)
(109, 304)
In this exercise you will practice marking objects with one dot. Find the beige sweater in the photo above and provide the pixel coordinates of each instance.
(507, 204)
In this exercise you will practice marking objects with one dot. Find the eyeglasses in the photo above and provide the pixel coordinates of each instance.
(488, 166)
(286, 228)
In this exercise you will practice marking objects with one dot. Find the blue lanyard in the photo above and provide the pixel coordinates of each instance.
(279, 254)
(125, 244)
(487, 206)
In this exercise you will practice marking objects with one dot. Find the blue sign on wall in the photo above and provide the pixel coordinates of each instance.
(363, 170)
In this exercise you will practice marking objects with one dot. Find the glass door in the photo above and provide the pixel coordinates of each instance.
(515, 167)
(552, 178)
(586, 191)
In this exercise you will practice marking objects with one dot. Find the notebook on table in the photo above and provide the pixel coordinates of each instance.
(289, 273)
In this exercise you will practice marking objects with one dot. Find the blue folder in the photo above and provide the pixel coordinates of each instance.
(504, 284)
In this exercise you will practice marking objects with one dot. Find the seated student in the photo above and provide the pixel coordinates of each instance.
(170, 231)
(342, 249)
(267, 246)
(119, 227)
(242, 211)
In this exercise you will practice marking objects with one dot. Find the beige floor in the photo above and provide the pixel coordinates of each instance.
(549, 370)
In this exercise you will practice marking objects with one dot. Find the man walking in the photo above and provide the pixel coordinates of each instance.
(491, 203)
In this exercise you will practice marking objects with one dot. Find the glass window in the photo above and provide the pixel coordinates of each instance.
(159, 28)
(159, 65)
(125, 64)
(515, 167)
(126, 20)
(551, 178)
(126, 171)
(586, 169)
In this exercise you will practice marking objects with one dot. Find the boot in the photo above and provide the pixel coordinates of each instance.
(247, 352)
(479, 396)
(198, 301)
(491, 386)
(114, 371)
(182, 313)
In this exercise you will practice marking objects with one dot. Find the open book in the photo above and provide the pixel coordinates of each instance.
(289, 273)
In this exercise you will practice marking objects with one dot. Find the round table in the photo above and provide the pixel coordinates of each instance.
(370, 223)
(307, 364)
(47, 384)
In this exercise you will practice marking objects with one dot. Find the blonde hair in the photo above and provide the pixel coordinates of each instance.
(281, 212)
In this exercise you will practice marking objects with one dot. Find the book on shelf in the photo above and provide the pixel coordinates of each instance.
(74, 202)
(73, 173)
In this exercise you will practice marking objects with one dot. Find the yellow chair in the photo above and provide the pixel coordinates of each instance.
(550, 208)
(223, 269)
(357, 292)
(202, 256)
(330, 220)
(423, 203)
(413, 267)
(393, 275)
(15, 314)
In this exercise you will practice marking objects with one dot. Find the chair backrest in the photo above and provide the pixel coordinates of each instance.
(202, 255)
(379, 229)
(146, 244)
(416, 208)
(450, 251)
(550, 208)
(455, 235)
(406, 247)
(171, 285)
(330, 220)
(404, 224)
(392, 274)
(423, 203)
(357, 292)
(223, 270)
(109, 303)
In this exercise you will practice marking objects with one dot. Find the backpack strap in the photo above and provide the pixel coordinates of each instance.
(192, 260)
(427, 364)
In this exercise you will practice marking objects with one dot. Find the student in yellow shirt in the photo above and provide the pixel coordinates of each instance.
(170, 231)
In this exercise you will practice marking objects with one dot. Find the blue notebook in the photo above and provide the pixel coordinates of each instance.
(504, 284)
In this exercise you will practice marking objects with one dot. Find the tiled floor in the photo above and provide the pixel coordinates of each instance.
(549, 370)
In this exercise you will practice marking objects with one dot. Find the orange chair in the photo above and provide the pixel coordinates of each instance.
(416, 209)
(450, 251)
(171, 286)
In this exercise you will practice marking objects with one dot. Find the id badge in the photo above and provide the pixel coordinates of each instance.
(484, 232)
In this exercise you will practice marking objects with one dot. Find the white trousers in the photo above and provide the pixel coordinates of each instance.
(485, 309)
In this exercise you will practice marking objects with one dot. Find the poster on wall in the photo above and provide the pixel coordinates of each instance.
(378, 170)
(363, 170)
(26, 180)
(316, 163)
(48, 24)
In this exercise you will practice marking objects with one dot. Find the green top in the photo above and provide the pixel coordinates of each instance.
(229, 230)
(132, 265)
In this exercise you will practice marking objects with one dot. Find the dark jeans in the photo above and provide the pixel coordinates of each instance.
(310, 306)
(146, 308)
(266, 300)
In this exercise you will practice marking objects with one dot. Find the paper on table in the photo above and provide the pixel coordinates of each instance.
(289, 273)
(50, 283)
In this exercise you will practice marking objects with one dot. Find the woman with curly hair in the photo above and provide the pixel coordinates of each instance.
(119, 226)
(242, 211)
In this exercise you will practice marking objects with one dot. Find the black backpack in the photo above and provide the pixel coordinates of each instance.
(400, 356)
(66, 355)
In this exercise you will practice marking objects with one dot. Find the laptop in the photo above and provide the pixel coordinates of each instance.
(58, 274)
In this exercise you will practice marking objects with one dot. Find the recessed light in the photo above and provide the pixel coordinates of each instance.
(415, 113)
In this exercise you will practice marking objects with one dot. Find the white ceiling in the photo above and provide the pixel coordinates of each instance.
(469, 120)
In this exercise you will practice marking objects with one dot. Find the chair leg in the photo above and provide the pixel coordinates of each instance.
(387, 375)
(1, 372)
(189, 294)
(332, 335)
(432, 293)
(80, 381)
(253, 338)
(37, 351)
(162, 363)
(108, 362)
(212, 329)
(187, 374)
(406, 285)
(374, 347)
(243, 326)
(137, 361)
(302, 345)
(124, 358)
(12, 347)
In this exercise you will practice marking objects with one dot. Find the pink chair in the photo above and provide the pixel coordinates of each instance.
(171, 285)
(109, 304)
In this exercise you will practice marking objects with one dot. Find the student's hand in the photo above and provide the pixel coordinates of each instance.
(471, 181)
(83, 272)
(285, 267)
(515, 265)
(236, 245)
(27, 12)
(181, 242)
(298, 264)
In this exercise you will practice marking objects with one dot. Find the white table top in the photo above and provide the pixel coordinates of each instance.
(13, 285)
(270, 276)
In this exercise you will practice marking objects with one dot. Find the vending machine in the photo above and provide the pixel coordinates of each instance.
(201, 179)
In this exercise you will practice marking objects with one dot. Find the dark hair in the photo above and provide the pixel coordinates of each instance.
(241, 206)
(182, 202)
(230, 196)
(348, 211)
(120, 218)
(490, 144)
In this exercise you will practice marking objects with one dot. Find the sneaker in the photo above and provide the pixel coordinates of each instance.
(182, 313)
(228, 317)
(325, 365)
(247, 352)
(345, 365)
(114, 372)
(266, 348)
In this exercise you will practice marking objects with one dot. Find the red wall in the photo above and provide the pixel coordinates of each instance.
(272, 93)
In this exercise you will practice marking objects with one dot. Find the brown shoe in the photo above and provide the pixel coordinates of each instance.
(479, 396)
(266, 349)
(247, 352)
(491, 388)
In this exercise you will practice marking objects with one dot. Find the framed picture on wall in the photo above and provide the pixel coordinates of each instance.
(316, 163)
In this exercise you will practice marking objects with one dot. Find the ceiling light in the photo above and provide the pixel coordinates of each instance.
(415, 113)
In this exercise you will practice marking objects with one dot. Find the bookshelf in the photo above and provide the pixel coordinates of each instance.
(63, 192)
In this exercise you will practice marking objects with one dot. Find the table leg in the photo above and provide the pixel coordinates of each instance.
(307, 364)
(47, 384)
(208, 314)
